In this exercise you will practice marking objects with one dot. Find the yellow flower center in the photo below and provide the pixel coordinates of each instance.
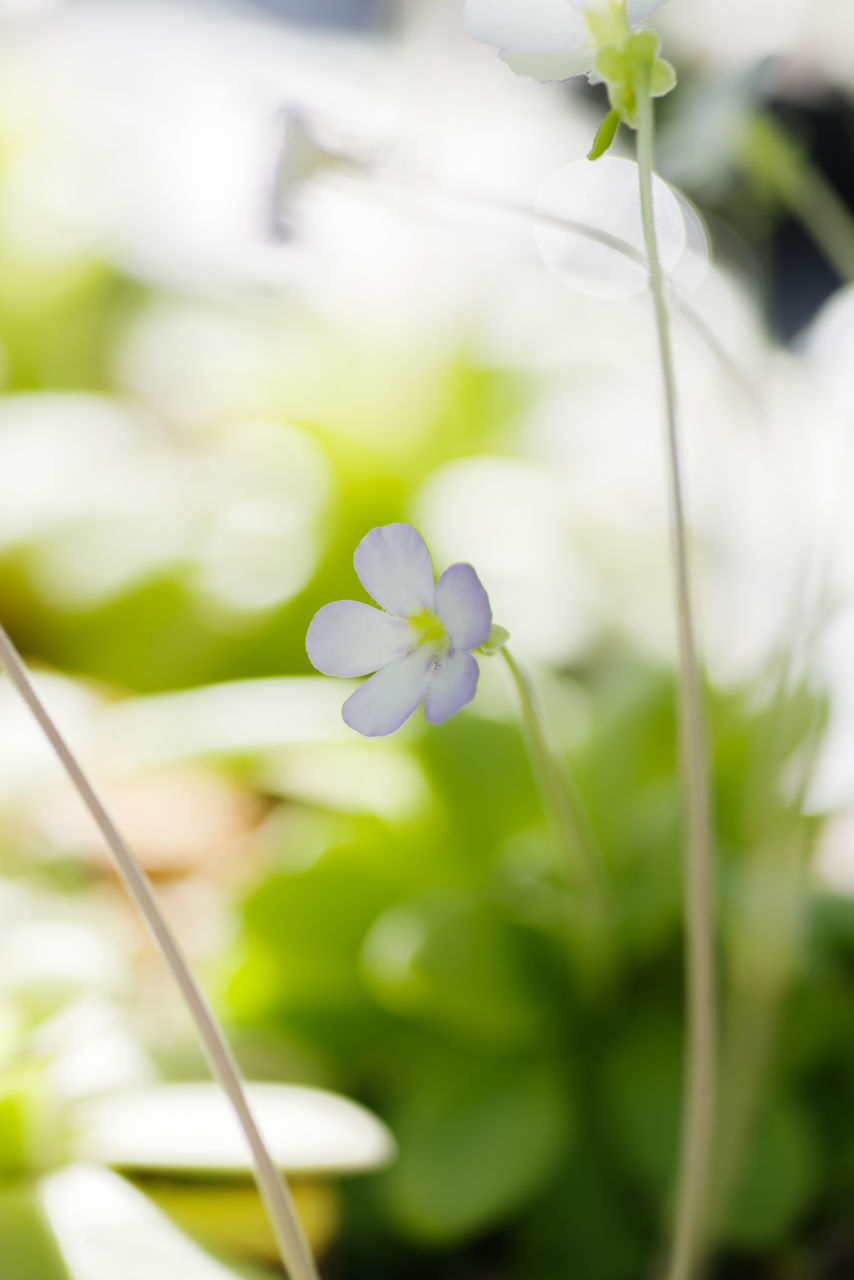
(429, 630)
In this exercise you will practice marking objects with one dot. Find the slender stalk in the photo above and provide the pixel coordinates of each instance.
(568, 818)
(294, 1250)
(698, 1113)
(770, 153)
(827, 219)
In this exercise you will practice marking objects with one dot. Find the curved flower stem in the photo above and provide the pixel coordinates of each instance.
(294, 1250)
(768, 151)
(571, 824)
(827, 219)
(698, 1114)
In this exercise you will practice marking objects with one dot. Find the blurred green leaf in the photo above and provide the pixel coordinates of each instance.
(586, 1221)
(642, 1084)
(32, 1132)
(477, 1142)
(28, 1247)
(779, 1177)
(303, 932)
(449, 960)
(483, 779)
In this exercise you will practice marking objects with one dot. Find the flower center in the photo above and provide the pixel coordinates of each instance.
(428, 629)
(607, 22)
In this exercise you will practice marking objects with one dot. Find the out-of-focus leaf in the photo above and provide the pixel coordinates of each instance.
(28, 1247)
(303, 931)
(46, 961)
(478, 1140)
(449, 961)
(779, 1177)
(631, 756)
(231, 1216)
(106, 1229)
(586, 1220)
(483, 778)
(190, 1128)
(31, 1131)
(642, 1084)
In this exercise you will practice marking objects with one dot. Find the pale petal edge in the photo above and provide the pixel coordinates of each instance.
(382, 704)
(638, 10)
(562, 64)
(463, 606)
(452, 687)
(394, 566)
(348, 638)
(524, 26)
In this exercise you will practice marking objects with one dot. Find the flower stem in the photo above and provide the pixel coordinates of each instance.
(566, 811)
(294, 1250)
(827, 219)
(698, 1107)
(768, 152)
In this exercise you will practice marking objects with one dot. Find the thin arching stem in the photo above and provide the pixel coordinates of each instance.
(698, 1112)
(293, 1248)
(779, 160)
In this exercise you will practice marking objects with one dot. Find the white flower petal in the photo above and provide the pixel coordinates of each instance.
(351, 639)
(640, 9)
(524, 26)
(452, 687)
(394, 567)
(560, 65)
(381, 704)
(463, 606)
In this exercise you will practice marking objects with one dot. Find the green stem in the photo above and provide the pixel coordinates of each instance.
(294, 1250)
(570, 822)
(827, 220)
(698, 1114)
(768, 152)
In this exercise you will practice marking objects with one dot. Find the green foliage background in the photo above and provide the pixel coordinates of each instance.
(425, 960)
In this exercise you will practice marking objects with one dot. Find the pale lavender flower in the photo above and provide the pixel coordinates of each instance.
(419, 642)
(553, 39)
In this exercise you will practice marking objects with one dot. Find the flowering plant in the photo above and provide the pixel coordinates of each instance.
(555, 39)
(419, 642)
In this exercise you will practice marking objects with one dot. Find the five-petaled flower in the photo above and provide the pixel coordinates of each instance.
(554, 39)
(419, 642)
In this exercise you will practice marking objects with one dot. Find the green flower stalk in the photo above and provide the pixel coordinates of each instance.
(700, 1085)
(778, 166)
(552, 40)
(420, 644)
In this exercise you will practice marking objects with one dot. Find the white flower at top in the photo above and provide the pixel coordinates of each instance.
(554, 39)
(419, 642)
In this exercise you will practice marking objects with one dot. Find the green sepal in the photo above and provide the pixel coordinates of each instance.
(662, 78)
(497, 639)
(605, 135)
(632, 68)
(641, 50)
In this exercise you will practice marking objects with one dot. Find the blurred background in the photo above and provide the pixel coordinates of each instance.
(272, 274)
